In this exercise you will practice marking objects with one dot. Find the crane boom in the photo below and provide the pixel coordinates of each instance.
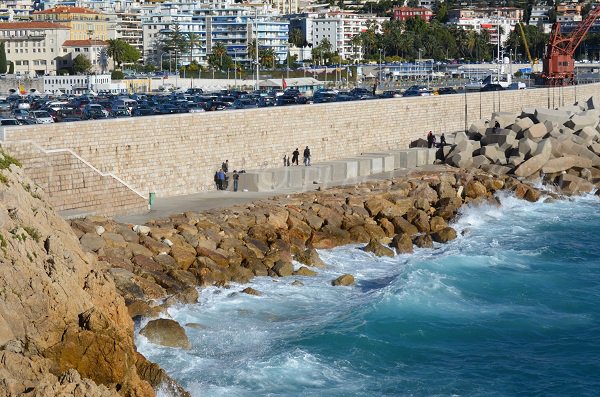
(559, 65)
(526, 46)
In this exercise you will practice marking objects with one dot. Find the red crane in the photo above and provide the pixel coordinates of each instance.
(559, 65)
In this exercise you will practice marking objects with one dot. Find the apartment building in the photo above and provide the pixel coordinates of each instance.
(233, 25)
(84, 23)
(404, 13)
(35, 48)
(498, 22)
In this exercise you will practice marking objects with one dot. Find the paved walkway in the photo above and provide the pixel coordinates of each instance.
(165, 206)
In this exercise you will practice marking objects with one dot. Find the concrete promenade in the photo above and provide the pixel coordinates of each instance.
(166, 206)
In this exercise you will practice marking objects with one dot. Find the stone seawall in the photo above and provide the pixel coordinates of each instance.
(178, 154)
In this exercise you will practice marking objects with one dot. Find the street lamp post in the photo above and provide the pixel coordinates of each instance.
(256, 49)
(380, 65)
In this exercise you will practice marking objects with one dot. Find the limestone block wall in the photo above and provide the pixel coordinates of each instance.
(178, 154)
(73, 187)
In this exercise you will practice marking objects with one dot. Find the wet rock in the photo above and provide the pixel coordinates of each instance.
(378, 249)
(283, 269)
(251, 291)
(310, 257)
(402, 243)
(297, 283)
(343, 280)
(475, 189)
(304, 271)
(423, 241)
(166, 332)
(444, 235)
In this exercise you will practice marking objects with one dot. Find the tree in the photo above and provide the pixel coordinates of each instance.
(193, 40)
(11, 68)
(219, 58)
(442, 13)
(297, 38)
(116, 50)
(3, 62)
(81, 64)
(131, 54)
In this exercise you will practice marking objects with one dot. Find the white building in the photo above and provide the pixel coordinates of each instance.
(338, 27)
(82, 84)
(212, 22)
(35, 48)
(94, 50)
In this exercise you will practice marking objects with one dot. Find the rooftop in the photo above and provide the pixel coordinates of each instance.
(30, 25)
(67, 10)
(84, 43)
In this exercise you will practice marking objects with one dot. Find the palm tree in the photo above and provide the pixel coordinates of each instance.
(296, 38)
(193, 41)
(219, 51)
(116, 50)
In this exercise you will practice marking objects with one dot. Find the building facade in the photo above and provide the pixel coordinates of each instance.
(84, 23)
(35, 48)
(404, 13)
(94, 50)
(82, 84)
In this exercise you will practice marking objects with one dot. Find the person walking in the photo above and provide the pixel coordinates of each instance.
(235, 177)
(306, 156)
(225, 166)
(295, 156)
(429, 139)
(216, 178)
(221, 178)
(288, 161)
(442, 140)
(284, 160)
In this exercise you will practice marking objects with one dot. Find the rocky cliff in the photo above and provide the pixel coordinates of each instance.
(64, 330)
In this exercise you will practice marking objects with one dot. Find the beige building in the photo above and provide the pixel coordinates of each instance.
(94, 50)
(35, 48)
(85, 24)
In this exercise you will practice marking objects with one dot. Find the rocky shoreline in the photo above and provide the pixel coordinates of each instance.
(70, 292)
(163, 262)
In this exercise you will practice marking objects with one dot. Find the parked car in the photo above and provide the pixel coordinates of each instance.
(492, 87)
(446, 91)
(4, 105)
(324, 97)
(20, 114)
(244, 104)
(416, 90)
(142, 111)
(391, 94)
(285, 100)
(94, 111)
(265, 101)
(41, 117)
(167, 108)
(120, 113)
(9, 122)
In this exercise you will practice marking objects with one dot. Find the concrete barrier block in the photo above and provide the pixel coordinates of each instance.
(391, 160)
(408, 159)
(376, 163)
(324, 172)
(295, 177)
(255, 181)
(422, 154)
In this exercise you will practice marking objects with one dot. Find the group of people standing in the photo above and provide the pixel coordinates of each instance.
(432, 142)
(287, 161)
(222, 179)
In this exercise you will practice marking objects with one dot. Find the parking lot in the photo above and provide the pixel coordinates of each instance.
(20, 110)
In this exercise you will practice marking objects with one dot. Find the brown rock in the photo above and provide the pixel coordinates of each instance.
(378, 249)
(437, 223)
(420, 220)
(401, 225)
(92, 242)
(141, 308)
(184, 255)
(283, 269)
(475, 189)
(532, 195)
(114, 240)
(310, 257)
(343, 280)
(146, 263)
(444, 235)
(251, 291)
(155, 246)
(359, 234)
(304, 271)
(215, 256)
(423, 241)
(314, 221)
(387, 227)
(402, 243)
(166, 261)
(166, 332)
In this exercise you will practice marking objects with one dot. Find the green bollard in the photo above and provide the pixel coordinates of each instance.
(151, 198)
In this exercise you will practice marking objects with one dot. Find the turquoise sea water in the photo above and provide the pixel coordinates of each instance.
(510, 308)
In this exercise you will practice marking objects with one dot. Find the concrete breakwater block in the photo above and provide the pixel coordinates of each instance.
(364, 165)
(388, 159)
(376, 163)
(321, 173)
(422, 156)
(254, 181)
(295, 177)
(408, 159)
(342, 169)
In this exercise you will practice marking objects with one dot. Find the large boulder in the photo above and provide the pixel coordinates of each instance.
(536, 132)
(558, 116)
(564, 163)
(402, 243)
(166, 332)
(571, 185)
(310, 257)
(378, 249)
(444, 235)
(283, 269)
